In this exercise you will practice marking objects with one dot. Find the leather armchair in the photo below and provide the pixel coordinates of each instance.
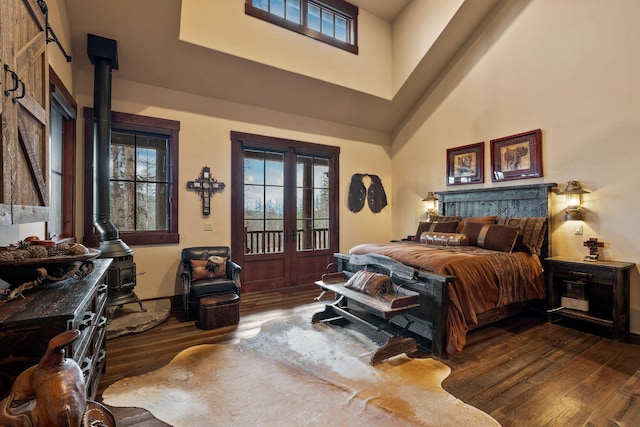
(196, 289)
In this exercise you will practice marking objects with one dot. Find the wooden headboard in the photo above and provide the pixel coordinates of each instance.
(522, 201)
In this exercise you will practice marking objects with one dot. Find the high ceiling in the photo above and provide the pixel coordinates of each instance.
(150, 52)
(386, 9)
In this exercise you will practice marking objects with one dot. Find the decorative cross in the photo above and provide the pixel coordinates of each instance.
(593, 246)
(206, 186)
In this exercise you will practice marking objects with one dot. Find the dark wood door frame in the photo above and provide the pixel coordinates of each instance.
(306, 266)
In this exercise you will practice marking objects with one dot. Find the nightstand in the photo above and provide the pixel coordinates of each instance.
(592, 291)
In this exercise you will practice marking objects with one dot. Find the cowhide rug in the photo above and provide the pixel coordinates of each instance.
(294, 373)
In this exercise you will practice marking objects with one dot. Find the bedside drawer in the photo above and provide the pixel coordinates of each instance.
(584, 273)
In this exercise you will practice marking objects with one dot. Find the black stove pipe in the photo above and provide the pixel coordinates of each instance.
(103, 53)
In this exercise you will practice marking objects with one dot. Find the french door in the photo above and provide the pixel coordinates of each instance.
(284, 209)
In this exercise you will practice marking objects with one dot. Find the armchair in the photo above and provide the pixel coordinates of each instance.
(201, 276)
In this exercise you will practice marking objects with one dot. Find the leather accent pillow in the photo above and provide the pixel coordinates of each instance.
(531, 235)
(441, 227)
(479, 219)
(368, 282)
(443, 218)
(444, 239)
(497, 237)
(472, 230)
(214, 266)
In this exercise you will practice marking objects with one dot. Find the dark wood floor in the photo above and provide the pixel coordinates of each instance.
(522, 371)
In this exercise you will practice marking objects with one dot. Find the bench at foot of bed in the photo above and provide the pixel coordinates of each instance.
(374, 316)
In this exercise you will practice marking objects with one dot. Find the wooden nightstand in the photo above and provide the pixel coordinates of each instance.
(598, 291)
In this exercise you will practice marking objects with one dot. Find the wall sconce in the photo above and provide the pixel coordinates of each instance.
(573, 192)
(431, 203)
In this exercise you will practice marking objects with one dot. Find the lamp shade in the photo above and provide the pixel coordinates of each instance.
(573, 192)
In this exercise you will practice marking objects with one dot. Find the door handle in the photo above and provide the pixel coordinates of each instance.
(16, 98)
(15, 79)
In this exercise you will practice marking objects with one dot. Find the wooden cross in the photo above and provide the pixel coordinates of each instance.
(206, 186)
(593, 246)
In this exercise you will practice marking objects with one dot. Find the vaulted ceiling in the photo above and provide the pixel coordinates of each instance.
(150, 52)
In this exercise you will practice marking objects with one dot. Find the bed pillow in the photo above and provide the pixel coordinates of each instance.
(442, 227)
(531, 235)
(444, 239)
(214, 266)
(478, 219)
(472, 230)
(497, 237)
(443, 218)
(368, 282)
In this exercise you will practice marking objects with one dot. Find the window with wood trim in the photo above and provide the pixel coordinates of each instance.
(331, 21)
(143, 177)
(62, 140)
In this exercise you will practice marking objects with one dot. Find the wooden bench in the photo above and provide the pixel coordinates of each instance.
(372, 313)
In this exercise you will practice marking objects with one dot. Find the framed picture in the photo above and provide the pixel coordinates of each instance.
(517, 156)
(465, 165)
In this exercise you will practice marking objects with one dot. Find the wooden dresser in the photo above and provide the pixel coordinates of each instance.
(27, 325)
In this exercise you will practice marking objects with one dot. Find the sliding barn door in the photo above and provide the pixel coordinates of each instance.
(24, 109)
(284, 210)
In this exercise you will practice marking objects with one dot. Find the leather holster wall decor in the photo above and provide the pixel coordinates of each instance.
(375, 195)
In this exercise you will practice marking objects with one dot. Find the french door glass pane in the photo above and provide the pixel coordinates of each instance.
(263, 202)
(312, 203)
(274, 169)
(254, 167)
(254, 202)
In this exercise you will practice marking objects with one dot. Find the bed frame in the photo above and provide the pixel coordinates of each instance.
(428, 322)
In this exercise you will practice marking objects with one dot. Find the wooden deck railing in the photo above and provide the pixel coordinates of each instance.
(269, 242)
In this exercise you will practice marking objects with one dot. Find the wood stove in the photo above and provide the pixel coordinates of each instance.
(121, 275)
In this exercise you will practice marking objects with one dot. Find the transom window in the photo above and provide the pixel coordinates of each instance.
(330, 21)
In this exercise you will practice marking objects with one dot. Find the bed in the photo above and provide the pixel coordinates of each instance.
(469, 276)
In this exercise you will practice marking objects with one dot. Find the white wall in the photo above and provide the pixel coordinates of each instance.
(205, 126)
(222, 25)
(416, 30)
(569, 68)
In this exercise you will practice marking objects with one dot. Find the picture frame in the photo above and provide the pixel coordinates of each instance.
(517, 156)
(465, 164)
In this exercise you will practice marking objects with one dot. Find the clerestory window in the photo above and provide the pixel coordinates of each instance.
(330, 21)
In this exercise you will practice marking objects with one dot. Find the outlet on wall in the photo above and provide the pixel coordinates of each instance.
(208, 226)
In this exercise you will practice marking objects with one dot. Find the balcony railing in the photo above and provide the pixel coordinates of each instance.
(269, 242)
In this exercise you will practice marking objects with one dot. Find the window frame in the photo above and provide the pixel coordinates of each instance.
(340, 7)
(59, 94)
(145, 124)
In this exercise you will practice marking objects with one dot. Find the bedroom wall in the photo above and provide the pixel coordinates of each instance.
(216, 25)
(529, 69)
(204, 141)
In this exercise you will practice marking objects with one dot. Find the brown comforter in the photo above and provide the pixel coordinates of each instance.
(484, 279)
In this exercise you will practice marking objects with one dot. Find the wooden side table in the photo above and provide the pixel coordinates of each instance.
(605, 289)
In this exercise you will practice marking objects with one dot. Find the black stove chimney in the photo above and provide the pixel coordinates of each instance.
(103, 54)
